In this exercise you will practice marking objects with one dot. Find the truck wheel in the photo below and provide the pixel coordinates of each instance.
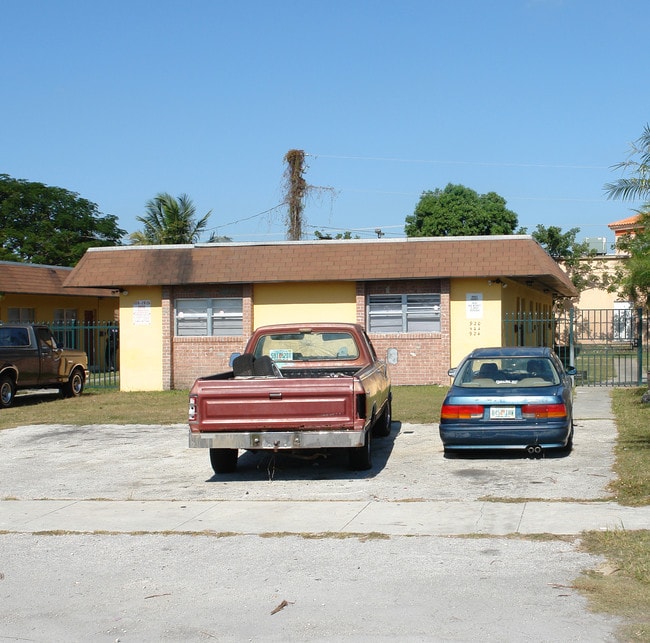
(361, 457)
(224, 460)
(75, 385)
(381, 427)
(7, 391)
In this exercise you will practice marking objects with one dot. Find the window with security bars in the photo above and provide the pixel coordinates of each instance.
(404, 313)
(209, 317)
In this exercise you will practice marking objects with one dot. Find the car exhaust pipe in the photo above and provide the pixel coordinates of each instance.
(534, 450)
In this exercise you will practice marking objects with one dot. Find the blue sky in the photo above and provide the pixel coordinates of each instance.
(533, 99)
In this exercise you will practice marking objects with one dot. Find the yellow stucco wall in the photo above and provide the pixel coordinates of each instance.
(475, 316)
(303, 302)
(600, 297)
(141, 358)
(478, 308)
(103, 308)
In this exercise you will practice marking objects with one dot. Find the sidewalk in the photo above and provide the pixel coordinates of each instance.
(435, 518)
(418, 518)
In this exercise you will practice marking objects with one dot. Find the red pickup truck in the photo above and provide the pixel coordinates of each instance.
(296, 386)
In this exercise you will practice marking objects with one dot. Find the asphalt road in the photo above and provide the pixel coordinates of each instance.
(134, 586)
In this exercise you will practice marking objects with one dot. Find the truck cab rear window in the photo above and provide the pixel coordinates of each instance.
(307, 346)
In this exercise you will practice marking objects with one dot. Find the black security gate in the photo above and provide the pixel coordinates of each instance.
(100, 341)
(608, 347)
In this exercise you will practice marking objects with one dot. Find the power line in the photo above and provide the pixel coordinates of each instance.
(253, 216)
(448, 162)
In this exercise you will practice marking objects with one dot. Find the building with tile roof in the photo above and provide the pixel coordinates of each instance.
(425, 302)
(32, 292)
(629, 225)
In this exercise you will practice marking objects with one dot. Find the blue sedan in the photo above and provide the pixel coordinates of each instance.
(509, 398)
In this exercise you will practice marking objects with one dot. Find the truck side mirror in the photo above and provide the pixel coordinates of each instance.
(233, 357)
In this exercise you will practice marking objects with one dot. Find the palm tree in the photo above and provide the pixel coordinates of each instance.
(638, 185)
(169, 220)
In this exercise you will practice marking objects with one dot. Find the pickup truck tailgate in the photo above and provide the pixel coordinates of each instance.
(276, 404)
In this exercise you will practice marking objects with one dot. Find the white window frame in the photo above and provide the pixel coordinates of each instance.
(213, 317)
(404, 313)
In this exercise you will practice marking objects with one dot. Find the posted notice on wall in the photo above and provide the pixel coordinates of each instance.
(142, 312)
(474, 305)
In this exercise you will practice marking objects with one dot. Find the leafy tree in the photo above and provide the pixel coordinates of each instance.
(633, 280)
(634, 276)
(637, 186)
(460, 211)
(50, 225)
(169, 220)
(564, 248)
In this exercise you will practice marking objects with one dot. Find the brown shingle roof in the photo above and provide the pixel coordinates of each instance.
(34, 279)
(517, 257)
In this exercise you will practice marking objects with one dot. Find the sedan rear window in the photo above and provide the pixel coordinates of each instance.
(507, 372)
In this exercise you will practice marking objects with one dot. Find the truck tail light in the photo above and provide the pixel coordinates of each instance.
(461, 412)
(193, 413)
(543, 411)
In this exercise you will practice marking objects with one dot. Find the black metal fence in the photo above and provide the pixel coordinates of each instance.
(609, 347)
(100, 341)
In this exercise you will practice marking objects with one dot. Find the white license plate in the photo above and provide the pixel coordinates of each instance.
(502, 412)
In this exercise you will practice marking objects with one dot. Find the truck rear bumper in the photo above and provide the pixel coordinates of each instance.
(278, 441)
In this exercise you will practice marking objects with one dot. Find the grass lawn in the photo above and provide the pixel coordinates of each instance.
(622, 586)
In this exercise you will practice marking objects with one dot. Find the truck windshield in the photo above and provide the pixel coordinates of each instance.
(307, 346)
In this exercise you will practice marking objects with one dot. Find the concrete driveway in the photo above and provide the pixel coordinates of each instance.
(123, 533)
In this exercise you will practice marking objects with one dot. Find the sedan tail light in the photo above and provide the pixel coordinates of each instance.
(461, 411)
(542, 411)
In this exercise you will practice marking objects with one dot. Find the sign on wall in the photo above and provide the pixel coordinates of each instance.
(474, 305)
(142, 312)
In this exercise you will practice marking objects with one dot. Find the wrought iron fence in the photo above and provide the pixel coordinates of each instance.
(100, 341)
(609, 347)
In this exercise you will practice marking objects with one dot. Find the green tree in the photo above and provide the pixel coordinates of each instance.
(634, 277)
(50, 225)
(460, 211)
(169, 220)
(637, 186)
(575, 257)
(633, 280)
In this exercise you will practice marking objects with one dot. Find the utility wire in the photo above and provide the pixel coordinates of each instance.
(441, 162)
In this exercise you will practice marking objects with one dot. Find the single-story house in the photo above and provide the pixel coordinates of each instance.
(35, 293)
(425, 302)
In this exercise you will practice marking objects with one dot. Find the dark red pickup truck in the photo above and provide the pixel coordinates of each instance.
(297, 386)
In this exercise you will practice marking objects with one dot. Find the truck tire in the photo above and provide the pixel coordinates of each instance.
(361, 457)
(224, 460)
(75, 385)
(381, 427)
(7, 391)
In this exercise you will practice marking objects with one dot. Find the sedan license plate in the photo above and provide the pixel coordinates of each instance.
(502, 412)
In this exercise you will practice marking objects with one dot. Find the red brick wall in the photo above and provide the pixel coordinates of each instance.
(192, 357)
(422, 358)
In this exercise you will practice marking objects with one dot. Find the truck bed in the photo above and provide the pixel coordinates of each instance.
(298, 400)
